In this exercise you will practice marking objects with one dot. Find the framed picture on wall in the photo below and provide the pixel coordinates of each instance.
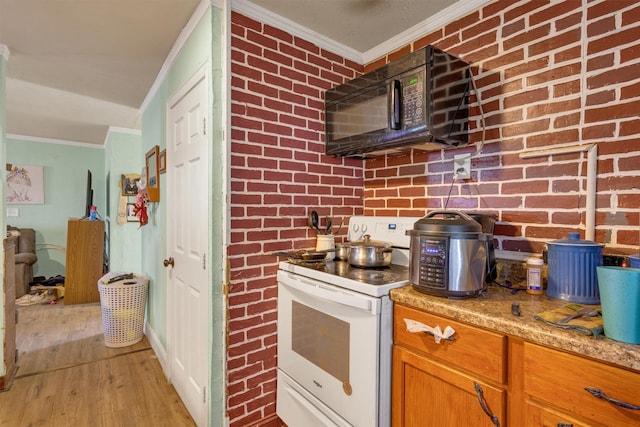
(129, 184)
(163, 161)
(131, 212)
(25, 185)
(152, 160)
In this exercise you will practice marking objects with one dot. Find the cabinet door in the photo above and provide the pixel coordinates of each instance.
(539, 415)
(428, 394)
(560, 380)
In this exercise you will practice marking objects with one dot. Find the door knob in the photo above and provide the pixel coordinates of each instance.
(168, 262)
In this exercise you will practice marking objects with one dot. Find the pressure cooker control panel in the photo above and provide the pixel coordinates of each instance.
(434, 264)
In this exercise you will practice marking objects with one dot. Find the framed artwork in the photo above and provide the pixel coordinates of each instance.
(131, 213)
(25, 185)
(152, 160)
(129, 183)
(163, 161)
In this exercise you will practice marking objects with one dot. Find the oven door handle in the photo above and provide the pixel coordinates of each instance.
(319, 291)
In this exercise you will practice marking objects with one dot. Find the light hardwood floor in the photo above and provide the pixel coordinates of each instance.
(67, 376)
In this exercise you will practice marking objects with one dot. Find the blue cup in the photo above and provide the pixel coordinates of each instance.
(620, 300)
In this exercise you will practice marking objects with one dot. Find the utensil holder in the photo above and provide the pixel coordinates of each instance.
(324, 242)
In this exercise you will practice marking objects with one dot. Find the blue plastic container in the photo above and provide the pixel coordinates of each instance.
(635, 261)
(620, 299)
(572, 274)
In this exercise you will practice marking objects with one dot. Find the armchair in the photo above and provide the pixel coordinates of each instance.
(25, 258)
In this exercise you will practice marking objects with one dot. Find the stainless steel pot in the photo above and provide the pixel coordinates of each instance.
(342, 251)
(370, 253)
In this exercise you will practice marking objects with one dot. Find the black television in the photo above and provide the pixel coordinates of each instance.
(88, 196)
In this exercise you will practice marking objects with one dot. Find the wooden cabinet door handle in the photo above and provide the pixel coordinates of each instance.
(596, 392)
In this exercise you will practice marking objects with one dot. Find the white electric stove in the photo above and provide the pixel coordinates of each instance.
(335, 327)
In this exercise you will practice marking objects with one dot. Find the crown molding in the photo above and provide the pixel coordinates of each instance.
(116, 129)
(4, 51)
(444, 17)
(53, 141)
(265, 16)
(455, 11)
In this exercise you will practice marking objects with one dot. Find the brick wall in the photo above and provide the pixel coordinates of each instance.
(549, 74)
(278, 174)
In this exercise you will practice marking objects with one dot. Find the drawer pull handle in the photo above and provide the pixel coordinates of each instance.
(600, 395)
(438, 335)
(483, 405)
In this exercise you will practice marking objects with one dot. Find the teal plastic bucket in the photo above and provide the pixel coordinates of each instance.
(620, 300)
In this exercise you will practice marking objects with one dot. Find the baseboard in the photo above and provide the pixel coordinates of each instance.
(157, 347)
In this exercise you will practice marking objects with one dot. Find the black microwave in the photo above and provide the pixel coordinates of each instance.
(421, 99)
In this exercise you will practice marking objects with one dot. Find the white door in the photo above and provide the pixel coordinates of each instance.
(187, 242)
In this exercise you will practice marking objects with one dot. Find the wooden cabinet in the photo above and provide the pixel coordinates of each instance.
(448, 383)
(84, 262)
(9, 289)
(555, 383)
(523, 384)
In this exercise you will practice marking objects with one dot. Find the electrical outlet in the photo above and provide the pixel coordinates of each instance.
(462, 166)
(13, 212)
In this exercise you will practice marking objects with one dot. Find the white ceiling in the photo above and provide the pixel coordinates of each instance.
(77, 67)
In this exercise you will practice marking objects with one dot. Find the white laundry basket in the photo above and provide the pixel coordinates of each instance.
(123, 302)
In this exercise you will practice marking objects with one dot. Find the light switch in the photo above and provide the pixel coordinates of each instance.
(13, 212)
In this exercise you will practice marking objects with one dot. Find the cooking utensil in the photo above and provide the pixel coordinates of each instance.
(342, 251)
(313, 221)
(328, 226)
(304, 255)
(339, 227)
(583, 312)
(370, 253)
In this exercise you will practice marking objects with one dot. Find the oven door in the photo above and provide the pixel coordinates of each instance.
(328, 343)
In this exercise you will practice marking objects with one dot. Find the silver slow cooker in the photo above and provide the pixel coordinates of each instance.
(448, 255)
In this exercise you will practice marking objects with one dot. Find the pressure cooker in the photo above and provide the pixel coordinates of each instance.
(448, 255)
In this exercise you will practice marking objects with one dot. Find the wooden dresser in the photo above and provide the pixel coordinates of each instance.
(84, 263)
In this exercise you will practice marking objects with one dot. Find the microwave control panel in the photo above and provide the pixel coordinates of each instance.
(434, 264)
(413, 108)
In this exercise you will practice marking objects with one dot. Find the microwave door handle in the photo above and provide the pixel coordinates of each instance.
(395, 103)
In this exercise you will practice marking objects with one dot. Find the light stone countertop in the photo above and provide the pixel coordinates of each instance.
(492, 311)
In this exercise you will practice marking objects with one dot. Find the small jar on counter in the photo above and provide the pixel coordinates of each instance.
(535, 276)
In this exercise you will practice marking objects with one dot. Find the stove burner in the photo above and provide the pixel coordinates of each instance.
(370, 275)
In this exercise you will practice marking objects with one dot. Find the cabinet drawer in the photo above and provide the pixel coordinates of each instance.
(473, 349)
(560, 379)
(536, 415)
